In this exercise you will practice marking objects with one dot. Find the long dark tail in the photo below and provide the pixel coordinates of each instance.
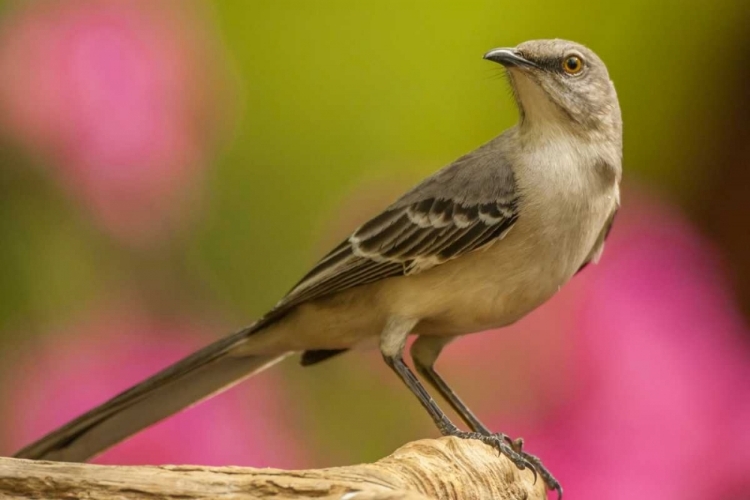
(213, 369)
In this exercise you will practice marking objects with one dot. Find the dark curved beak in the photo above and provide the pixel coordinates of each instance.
(509, 57)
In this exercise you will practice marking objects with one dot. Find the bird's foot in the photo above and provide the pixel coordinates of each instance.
(546, 475)
(513, 449)
(502, 444)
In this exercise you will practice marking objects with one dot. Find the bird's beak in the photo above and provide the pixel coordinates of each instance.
(509, 57)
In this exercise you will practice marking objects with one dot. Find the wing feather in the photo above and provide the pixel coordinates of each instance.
(466, 206)
(403, 241)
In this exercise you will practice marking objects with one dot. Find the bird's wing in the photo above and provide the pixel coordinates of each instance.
(598, 249)
(464, 207)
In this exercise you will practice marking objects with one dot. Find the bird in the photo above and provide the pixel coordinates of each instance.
(476, 246)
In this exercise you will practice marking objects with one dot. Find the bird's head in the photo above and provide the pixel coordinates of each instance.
(562, 83)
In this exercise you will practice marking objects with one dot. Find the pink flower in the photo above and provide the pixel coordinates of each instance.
(70, 372)
(634, 381)
(121, 97)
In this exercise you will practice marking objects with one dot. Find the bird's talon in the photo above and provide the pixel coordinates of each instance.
(533, 469)
(513, 450)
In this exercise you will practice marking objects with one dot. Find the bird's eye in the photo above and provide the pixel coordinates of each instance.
(572, 65)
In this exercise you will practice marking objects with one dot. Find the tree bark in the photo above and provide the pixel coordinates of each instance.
(446, 468)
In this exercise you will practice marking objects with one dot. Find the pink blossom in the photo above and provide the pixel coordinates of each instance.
(69, 372)
(120, 96)
(634, 381)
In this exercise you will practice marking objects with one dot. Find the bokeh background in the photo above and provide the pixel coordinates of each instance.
(168, 169)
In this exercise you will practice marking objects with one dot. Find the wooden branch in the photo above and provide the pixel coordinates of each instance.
(445, 468)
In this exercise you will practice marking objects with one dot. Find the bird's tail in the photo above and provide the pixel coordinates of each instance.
(211, 370)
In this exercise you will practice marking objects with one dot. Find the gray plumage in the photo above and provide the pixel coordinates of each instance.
(463, 207)
(477, 245)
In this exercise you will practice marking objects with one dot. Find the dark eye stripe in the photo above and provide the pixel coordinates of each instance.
(550, 63)
(555, 64)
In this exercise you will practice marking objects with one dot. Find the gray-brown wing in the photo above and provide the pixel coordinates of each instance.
(461, 208)
(596, 252)
(403, 241)
(465, 206)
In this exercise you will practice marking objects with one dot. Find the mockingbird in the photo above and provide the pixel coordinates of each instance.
(476, 246)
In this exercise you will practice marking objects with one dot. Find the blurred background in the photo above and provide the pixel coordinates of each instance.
(169, 169)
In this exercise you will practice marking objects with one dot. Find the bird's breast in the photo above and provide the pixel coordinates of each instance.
(567, 196)
(561, 214)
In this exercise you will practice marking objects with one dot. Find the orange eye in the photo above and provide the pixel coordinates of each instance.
(573, 65)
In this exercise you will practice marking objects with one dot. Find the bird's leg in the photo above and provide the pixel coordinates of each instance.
(392, 344)
(443, 423)
(425, 351)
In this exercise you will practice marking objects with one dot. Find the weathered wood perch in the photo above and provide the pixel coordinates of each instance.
(445, 468)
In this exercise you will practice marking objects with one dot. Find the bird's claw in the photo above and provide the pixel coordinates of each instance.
(513, 449)
(547, 477)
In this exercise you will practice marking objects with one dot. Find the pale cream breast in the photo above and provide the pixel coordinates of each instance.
(566, 199)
